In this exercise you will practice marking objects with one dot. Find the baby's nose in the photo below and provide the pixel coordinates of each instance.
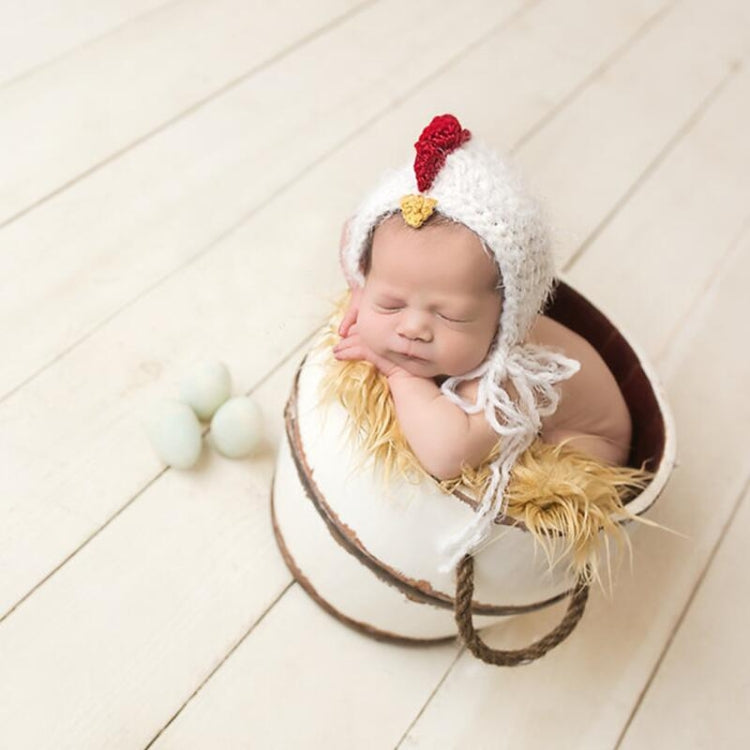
(414, 325)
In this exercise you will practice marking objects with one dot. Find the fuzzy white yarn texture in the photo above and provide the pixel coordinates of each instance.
(534, 372)
(478, 189)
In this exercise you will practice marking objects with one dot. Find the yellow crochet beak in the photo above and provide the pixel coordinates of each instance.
(416, 209)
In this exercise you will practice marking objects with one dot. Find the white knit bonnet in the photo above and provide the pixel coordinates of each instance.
(465, 181)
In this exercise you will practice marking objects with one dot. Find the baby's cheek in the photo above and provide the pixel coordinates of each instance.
(370, 331)
(466, 352)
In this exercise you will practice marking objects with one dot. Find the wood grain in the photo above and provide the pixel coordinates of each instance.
(187, 204)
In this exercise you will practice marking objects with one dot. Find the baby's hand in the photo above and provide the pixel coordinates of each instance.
(352, 347)
(350, 316)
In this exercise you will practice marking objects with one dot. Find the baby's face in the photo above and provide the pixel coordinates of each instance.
(429, 303)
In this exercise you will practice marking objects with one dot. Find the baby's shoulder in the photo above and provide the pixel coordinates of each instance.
(594, 372)
(554, 335)
(591, 401)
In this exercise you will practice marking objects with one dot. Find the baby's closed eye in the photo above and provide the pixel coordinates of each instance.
(388, 303)
(450, 317)
(455, 319)
(388, 308)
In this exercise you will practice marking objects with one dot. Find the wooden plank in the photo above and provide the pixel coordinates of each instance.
(104, 653)
(703, 677)
(223, 293)
(107, 95)
(302, 679)
(679, 224)
(580, 696)
(632, 113)
(69, 441)
(33, 34)
(522, 78)
(127, 227)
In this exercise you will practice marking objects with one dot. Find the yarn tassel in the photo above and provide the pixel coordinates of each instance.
(534, 372)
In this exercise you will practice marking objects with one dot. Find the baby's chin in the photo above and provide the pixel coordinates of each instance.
(423, 368)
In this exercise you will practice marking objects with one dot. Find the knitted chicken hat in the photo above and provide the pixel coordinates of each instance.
(465, 181)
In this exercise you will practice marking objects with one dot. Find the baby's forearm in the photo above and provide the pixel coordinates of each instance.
(436, 429)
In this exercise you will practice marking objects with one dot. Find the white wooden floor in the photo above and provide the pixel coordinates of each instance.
(173, 179)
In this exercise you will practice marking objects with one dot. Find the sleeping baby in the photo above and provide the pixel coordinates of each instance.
(449, 268)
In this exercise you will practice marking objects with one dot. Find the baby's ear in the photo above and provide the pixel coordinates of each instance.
(344, 234)
(342, 244)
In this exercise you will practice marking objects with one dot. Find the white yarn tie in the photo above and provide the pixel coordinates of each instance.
(534, 372)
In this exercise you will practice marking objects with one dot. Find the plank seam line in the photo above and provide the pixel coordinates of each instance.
(431, 696)
(83, 544)
(734, 67)
(673, 341)
(603, 66)
(205, 431)
(685, 610)
(226, 656)
(85, 43)
(280, 190)
(695, 311)
(194, 107)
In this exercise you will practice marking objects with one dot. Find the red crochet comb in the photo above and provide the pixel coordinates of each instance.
(443, 135)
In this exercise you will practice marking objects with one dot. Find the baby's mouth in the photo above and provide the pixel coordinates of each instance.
(411, 357)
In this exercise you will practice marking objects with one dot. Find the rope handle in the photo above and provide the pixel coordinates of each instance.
(464, 593)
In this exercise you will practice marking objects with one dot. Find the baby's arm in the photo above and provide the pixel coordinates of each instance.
(442, 436)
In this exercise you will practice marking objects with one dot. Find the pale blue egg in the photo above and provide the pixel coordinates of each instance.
(174, 432)
(205, 387)
(237, 427)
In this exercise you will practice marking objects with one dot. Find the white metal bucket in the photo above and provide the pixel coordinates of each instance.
(370, 553)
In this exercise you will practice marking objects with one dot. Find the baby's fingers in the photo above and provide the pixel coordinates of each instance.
(349, 317)
(350, 348)
(348, 352)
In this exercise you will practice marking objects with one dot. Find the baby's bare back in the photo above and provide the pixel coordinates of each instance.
(592, 410)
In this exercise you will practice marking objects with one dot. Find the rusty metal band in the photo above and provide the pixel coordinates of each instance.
(362, 627)
(418, 591)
